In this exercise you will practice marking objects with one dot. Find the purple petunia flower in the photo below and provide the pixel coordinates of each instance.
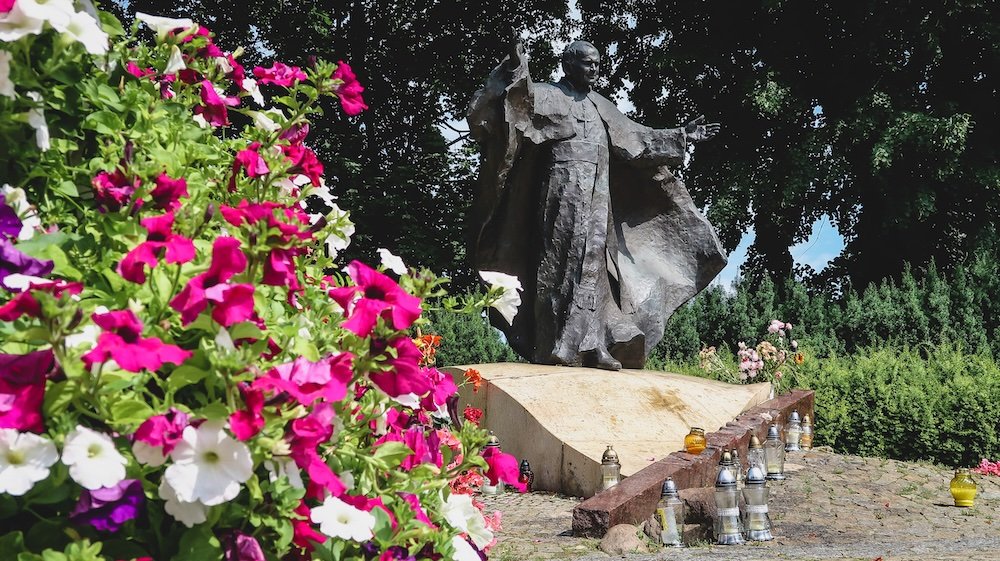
(13, 261)
(107, 508)
(10, 224)
(242, 547)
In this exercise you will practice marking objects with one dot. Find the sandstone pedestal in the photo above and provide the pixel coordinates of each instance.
(562, 418)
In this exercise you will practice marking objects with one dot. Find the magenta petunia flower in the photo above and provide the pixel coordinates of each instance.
(374, 295)
(304, 535)
(245, 423)
(279, 269)
(349, 90)
(304, 161)
(168, 192)
(22, 389)
(418, 511)
(122, 342)
(250, 161)
(113, 190)
(313, 429)
(231, 303)
(296, 134)
(405, 381)
(295, 223)
(161, 243)
(503, 467)
(163, 431)
(322, 480)
(108, 508)
(25, 303)
(241, 547)
(132, 68)
(442, 388)
(6, 5)
(214, 106)
(12, 261)
(279, 74)
(306, 381)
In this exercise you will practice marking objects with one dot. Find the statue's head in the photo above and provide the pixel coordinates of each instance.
(581, 62)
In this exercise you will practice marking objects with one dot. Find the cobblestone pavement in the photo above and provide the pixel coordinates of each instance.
(831, 507)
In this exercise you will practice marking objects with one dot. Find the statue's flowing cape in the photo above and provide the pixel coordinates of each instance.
(661, 249)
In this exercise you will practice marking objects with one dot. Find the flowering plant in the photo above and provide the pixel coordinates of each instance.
(987, 467)
(774, 358)
(180, 376)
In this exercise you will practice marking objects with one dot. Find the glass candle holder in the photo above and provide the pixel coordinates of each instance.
(755, 454)
(806, 440)
(695, 442)
(670, 514)
(728, 526)
(793, 432)
(774, 454)
(755, 493)
(611, 469)
(963, 488)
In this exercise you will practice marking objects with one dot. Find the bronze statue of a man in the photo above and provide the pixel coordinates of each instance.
(575, 199)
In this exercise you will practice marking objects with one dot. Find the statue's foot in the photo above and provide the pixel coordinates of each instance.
(601, 358)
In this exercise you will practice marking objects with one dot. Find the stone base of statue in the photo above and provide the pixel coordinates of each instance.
(562, 418)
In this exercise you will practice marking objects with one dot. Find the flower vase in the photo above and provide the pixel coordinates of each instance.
(773, 392)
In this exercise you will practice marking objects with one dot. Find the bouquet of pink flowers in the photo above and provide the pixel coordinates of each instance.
(771, 360)
(181, 377)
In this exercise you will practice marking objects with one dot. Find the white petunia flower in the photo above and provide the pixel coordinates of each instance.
(148, 454)
(25, 459)
(462, 515)
(323, 192)
(188, 514)
(224, 340)
(86, 30)
(92, 459)
(162, 25)
(464, 551)
(338, 241)
(28, 17)
(263, 121)
(201, 122)
(284, 467)
(291, 185)
(338, 519)
(176, 61)
(391, 262)
(6, 86)
(250, 86)
(510, 300)
(19, 283)
(209, 465)
(87, 335)
(18, 200)
(36, 118)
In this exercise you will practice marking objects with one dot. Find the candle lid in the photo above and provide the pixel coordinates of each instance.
(725, 480)
(669, 488)
(610, 456)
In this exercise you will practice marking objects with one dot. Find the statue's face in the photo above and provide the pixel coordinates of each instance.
(583, 69)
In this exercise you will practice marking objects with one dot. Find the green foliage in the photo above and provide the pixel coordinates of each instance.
(467, 339)
(924, 403)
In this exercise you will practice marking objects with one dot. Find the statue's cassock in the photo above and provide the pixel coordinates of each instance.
(606, 252)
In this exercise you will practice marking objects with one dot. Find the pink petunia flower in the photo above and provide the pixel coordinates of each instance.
(304, 161)
(502, 467)
(122, 342)
(374, 295)
(231, 303)
(294, 225)
(25, 303)
(306, 381)
(442, 387)
(113, 190)
(406, 382)
(214, 106)
(163, 431)
(279, 269)
(349, 90)
(418, 511)
(168, 192)
(22, 389)
(250, 161)
(279, 74)
(132, 68)
(245, 423)
(161, 242)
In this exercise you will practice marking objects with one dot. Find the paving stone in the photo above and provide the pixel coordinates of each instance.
(832, 507)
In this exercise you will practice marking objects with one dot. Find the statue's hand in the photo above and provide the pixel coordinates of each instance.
(515, 54)
(698, 131)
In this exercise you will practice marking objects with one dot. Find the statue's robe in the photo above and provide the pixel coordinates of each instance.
(576, 200)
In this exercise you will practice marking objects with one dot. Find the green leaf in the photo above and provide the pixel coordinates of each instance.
(185, 375)
(305, 348)
(245, 330)
(67, 188)
(214, 411)
(199, 544)
(130, 411)
(392, 453)
(104, 122)
(11, 544)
